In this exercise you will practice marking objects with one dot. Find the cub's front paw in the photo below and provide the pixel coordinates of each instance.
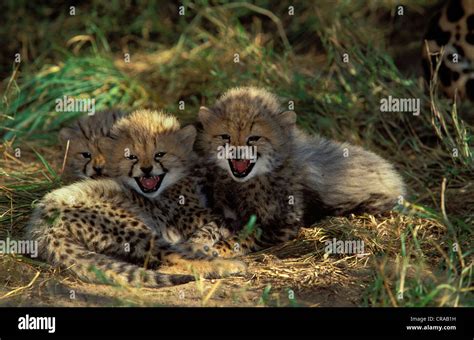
(224, 267)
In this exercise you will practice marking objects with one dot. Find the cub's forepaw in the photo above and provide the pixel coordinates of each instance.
(226, 267)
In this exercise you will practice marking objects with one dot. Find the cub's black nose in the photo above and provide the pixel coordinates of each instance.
(146, 170)
(98, 169)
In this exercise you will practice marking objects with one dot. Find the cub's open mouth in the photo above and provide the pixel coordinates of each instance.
(241, 167)
(149, 183)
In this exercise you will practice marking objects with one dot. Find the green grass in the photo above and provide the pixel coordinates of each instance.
(33, 110)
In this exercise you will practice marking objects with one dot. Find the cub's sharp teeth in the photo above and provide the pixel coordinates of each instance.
(149, 184)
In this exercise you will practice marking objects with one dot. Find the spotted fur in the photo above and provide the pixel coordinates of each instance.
(296, 178)
(116, 227)
(452, 28)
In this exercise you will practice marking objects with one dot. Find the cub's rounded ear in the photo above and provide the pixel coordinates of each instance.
(205, 115)
(187, 135)
(288, 117)
(67, 133)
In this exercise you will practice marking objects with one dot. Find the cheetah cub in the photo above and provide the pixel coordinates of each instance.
(286, 178)
(130, 224)
(85, 158)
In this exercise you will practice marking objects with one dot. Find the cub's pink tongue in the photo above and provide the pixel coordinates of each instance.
(240, 165)
(149, 182)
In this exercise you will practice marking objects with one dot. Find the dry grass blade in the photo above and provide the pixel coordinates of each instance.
(19, 289)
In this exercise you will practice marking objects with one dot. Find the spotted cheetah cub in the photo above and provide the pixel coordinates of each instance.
(130, 224)
(286, 178)
(85, 158)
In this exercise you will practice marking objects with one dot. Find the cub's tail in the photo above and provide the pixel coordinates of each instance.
(100, 268)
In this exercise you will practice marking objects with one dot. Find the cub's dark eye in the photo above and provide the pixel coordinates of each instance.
(225, 136)
(253, 138)
(131, 157)
(86, 154)
(160, 154)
